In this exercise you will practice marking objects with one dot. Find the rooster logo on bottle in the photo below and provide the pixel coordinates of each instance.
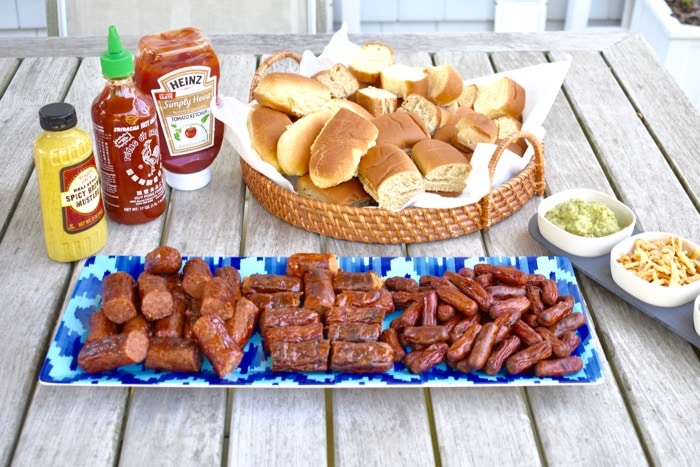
(150, 157)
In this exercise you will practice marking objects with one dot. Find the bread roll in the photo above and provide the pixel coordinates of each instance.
(291, 93)
(468, 96)
(265, 126)
(444, 84)
(474, 128)
(501, 97)
(402, 129)
(338, 148)
(294, 145)
(377, 101)
(336, 104)
(390, 176)
(447, 129)
(350, 193)
(445, 168)
(506, 127)
(369, 59)
(403, 80)
(421, 106)
(338, 78)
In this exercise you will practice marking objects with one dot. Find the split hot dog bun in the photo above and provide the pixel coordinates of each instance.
(338, 148)
(350, 193)
(294, 145)
(402, 129)
(265, 125)
(291, 93)
(445, 168)
(389, 175)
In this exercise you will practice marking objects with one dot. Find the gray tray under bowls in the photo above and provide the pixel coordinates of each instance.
(678, 319)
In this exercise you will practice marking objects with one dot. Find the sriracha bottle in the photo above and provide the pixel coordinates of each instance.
(127, 143)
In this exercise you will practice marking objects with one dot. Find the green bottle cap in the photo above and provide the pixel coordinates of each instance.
(116, 62)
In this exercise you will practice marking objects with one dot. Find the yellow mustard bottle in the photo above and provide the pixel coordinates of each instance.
(72, 211)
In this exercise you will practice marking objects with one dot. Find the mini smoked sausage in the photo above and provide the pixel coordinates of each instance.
(119, 297)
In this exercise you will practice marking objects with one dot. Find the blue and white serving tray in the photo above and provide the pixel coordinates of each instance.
(60, 366)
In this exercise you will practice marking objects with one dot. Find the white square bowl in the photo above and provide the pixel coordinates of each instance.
(577, 244)
(653, 294)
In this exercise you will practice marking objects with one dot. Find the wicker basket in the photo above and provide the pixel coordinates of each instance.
(409, 225)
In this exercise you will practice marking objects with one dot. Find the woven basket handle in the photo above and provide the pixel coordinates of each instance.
(487, 201)
(266, 64)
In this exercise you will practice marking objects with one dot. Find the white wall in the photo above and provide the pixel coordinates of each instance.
(28, 17)
(23, 18)
(459, 15)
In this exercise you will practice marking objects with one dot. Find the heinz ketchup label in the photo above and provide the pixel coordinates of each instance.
(183, 103)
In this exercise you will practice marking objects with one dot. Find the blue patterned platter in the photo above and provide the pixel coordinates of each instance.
(60, 366)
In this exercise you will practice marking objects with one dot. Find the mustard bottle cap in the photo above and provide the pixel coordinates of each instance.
(58, 116)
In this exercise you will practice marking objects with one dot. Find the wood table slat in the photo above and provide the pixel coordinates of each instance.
(664, 107)
(606, 127)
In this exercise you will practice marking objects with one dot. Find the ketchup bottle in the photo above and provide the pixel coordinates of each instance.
(181, 71)
(127, 143)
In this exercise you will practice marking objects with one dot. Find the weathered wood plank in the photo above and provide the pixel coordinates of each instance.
(626, 148)
(623, 145)
(486, 410)
(270, 43)
(260, 414)
(196, 229)
(95, 426)
(660, 102)
(360, 436)
(19, 110)
(570, 163)
(22, 248)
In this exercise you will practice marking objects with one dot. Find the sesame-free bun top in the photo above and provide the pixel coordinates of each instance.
(291, 93)
(444, 167)
(338, 148)
(389, 175)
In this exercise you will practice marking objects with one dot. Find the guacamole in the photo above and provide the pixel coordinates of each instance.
(584, 218)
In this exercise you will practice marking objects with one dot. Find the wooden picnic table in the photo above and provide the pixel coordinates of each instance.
(619, 125)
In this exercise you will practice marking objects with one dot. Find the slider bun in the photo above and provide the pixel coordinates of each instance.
(340, 80)
(377, 101)
(369, 59)
(338, 148)
(468, 96)
(501, 97)
(444, 84)
(402, 129)
(265, 126)
(445, 168)
(389, 175)
(474, 128)
(350, 193)
(429, 113)
(336, 104)
(403, 80)
(291, 93)
(294, 145)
